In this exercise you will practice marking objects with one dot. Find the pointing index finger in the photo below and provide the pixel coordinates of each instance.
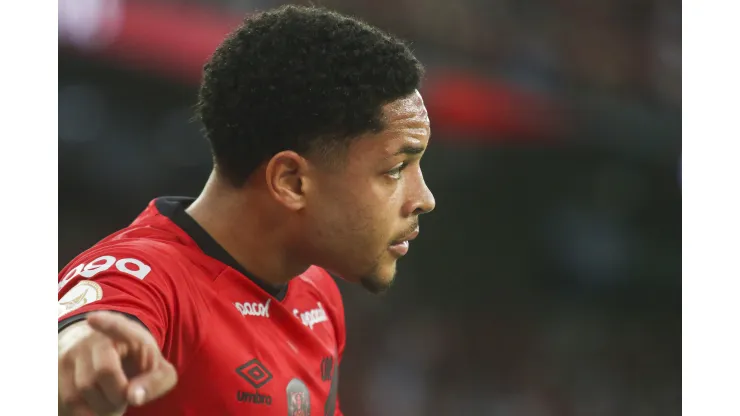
(118, 327)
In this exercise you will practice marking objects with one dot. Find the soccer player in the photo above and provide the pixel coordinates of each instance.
(224, 304)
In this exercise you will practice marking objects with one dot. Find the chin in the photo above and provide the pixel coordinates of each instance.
(380, 281)
(376, 279)
(375, 285)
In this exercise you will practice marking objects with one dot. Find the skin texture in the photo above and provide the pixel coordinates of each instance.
(340, 211)
(108, 363)
(356, 212)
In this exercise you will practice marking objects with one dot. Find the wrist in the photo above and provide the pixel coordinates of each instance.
(71, 335)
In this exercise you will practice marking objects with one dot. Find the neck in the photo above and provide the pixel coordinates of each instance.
(248, 229)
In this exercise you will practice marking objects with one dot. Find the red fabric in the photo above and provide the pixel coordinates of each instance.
(210, 320)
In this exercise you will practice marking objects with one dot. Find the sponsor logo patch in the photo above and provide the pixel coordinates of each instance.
(81, 294)
(299, 398)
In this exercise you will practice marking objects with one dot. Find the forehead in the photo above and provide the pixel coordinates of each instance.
(406, 123)
(407, 111)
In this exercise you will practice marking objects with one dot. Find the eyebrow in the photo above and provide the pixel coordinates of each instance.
(410, 150)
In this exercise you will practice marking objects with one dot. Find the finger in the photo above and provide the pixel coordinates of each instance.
(82, 409)
(111, 379)
(153, 384)
(97, 402)
(117, 327)
(86, 383)
(68, 395)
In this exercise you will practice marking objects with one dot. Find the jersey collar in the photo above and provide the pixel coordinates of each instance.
(174, 209)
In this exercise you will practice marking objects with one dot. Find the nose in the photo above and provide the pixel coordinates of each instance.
(424, 199)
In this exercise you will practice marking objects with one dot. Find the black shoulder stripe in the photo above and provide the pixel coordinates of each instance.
(82, 316)
(331, 401)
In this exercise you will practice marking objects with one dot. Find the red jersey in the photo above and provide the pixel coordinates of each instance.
(239, 346)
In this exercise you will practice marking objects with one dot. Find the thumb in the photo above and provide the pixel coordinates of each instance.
(152, 384)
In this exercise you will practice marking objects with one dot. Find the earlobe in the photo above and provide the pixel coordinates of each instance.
(284, 176)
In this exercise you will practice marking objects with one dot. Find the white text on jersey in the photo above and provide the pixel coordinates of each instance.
(132, 267)
(313, 316)
(254, 308)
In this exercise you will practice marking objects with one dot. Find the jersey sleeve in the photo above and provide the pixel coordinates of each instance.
(122, 280)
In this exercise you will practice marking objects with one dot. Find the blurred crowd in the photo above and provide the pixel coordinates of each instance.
(577, 361)
(629, 47)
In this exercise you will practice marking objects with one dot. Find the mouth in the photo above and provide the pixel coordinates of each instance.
(401, 247)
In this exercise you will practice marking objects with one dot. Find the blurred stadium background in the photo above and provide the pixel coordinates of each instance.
(548, 280)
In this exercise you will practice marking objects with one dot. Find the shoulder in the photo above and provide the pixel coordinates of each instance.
(327, 291)
(142, 254)
(322, 282)
(145, 259)
(324, 289)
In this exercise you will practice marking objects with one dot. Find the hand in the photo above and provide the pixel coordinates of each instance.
(111, 362)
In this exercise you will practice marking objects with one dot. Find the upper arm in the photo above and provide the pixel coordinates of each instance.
(120, 281)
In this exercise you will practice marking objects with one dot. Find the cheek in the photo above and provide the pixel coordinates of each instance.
(377, 209)
(360, 218)
(338, 218)
(356, 235)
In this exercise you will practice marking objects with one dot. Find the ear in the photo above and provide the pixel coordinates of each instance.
(285, 175)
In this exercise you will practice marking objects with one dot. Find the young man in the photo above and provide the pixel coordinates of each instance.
(224, 304)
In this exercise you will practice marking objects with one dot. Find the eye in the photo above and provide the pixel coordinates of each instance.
(395, 173)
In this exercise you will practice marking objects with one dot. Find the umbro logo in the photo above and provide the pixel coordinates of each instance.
(256, 398)
(256, 374)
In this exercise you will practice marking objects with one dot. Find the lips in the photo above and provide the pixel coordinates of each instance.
(409, 237)
(412, 236)
(401, 247)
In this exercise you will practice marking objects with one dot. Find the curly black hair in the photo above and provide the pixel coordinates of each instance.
(295, 78)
